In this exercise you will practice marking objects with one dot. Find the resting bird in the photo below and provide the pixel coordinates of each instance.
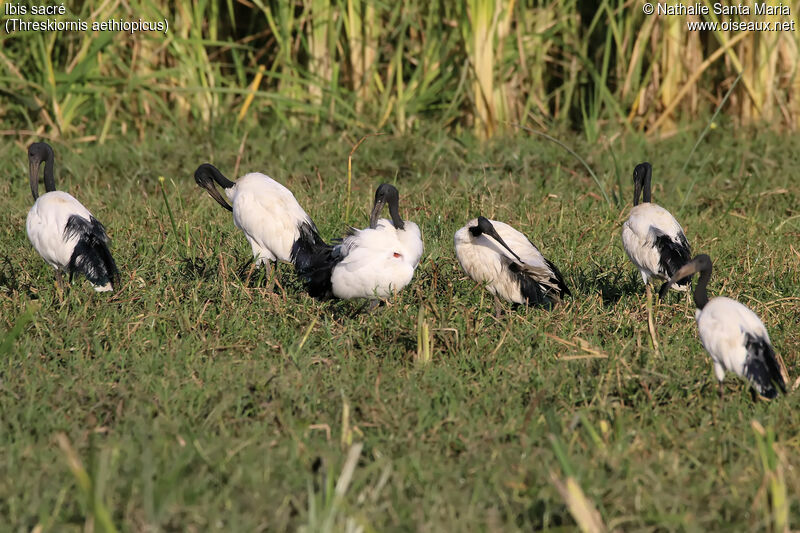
(267, 213)
(508, 263)
(63, 231)
(732, 334)
(373, 263)
(653, 240)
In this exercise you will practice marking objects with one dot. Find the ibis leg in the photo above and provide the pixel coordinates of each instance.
(271, 273)
(60, 285)
(498, 307)
(650, 323)
(373, 304)
(367, 307)
(720, 390)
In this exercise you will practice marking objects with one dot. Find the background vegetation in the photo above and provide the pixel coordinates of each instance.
(196, 398)
(468, 64)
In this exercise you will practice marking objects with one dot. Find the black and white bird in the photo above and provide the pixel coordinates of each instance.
(652, 238)
(375, 262)
(732, 334)
(267, 213)
(512, 268)
(63, 231)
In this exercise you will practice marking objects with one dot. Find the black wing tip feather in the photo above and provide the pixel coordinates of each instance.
(761, 368)
(91, 256)
(558, 280)
(672, 255)
(78, 226)
(536, 293)
(314, 260)
(532, 292)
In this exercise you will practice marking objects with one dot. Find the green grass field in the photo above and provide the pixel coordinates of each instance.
(195, 399)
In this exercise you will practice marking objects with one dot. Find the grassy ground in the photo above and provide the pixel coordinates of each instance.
(197, 400)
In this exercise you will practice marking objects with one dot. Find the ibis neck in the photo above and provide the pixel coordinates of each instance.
(220, 178)
(49, 177)
(394, 211)
(646, 191)
(700, 292)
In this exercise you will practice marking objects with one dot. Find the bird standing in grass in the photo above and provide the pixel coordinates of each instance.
(63, 231)
(508, 263)
(373, 263)
(732, 334)
(267, 213)
(653, 240)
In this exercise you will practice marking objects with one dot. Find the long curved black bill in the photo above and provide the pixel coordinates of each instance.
(375, 213)
(687, 270)
(487, 228)
(33, 176)
(217, 196)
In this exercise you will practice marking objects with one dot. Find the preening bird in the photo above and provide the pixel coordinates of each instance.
(732, 334)
(508, 263)
(267, 213)
(63, 231)
(652, 238)
(373, 263)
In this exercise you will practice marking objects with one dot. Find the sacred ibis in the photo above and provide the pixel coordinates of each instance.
(267, 213)
(653, 240)
(63, 231)
(512, 268)
(732, 334)
(373, 263)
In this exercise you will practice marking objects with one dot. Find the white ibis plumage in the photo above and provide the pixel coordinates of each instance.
(653, 240)
(732, 334)
(373, 263)
(63, 231)
(267, 213)
(512, 268)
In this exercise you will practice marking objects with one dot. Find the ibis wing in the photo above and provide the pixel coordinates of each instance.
(78, 226)
(673, 251)
(308, 244)
(761, 368)
(315, 260)
(548, 273)
(532, 290)
(540, 280)
(91, 255)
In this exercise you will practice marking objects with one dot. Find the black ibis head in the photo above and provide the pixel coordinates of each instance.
(386, 194)
(485, 227)
(205, 176)
(38, 153)
(701, 263)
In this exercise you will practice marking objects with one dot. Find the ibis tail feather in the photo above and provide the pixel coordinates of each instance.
(558, 280)
(674, 253)
(532, 291)
(314, 260)
(91, 256)
(761, 368)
